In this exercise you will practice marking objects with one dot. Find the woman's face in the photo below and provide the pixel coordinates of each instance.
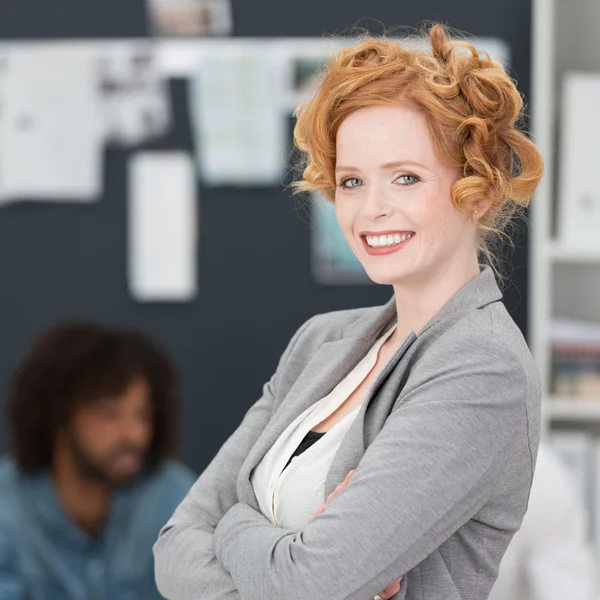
(393, 197)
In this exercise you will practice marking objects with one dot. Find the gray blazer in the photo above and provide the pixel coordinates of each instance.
(444, 449)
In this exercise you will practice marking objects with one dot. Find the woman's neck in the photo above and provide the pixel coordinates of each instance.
(419, 300)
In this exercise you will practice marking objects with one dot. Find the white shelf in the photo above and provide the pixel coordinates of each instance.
(561, 253)
(561, 277)
(573, 409)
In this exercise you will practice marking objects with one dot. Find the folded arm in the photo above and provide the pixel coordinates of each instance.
(185, 563)
(430, 469)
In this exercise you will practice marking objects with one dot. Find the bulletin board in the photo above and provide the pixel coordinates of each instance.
(255, 286)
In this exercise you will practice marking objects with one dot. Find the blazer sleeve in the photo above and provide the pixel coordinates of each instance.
(431, 468)
(184, 561)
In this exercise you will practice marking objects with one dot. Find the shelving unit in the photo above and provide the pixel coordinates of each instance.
(573, 409)
(558, 253)
(564, 280)
(564, 39)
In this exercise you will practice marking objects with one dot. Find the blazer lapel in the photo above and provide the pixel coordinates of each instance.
(332, 362)
(352, 448)
(480, 291)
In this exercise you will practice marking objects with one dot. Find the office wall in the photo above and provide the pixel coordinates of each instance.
(59, 261)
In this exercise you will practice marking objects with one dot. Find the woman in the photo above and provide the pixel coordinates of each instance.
(431, 402)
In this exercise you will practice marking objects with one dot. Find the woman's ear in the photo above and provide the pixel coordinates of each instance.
(480, 209)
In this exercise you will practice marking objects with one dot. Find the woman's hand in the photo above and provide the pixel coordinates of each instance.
(333, 494)
(392, 589)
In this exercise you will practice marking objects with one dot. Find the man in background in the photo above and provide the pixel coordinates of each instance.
(549, 557)
(92, 413)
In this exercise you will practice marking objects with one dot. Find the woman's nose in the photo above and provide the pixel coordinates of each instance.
(375, 205)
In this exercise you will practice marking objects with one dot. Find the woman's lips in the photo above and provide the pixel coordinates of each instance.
(388, 248)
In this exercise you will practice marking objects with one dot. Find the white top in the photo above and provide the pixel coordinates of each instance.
(290, 497)
(549, 557)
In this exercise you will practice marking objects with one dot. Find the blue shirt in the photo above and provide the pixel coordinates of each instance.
(45, 556)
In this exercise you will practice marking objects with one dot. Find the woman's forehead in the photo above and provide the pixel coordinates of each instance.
(383, 136)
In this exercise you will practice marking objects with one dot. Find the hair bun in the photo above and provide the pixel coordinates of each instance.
(488, 95)
(440, 44)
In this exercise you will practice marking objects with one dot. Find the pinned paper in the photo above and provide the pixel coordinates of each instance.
(51, 130)
(239, 123)
(162, 226)
(134, 95)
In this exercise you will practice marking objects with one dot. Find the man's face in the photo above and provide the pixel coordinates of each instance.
(110, 437)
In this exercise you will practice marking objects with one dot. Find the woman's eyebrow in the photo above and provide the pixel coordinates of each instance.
(389, 165)
(402, 163)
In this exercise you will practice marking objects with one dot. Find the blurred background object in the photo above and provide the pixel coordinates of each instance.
(564, 282)
(189, 17)
(91, 479)
(550, 556)
(162, 222)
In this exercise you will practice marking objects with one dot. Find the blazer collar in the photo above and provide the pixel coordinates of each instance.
(478, 292)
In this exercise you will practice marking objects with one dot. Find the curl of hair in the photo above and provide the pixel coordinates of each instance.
(473, 110)
(76, 362)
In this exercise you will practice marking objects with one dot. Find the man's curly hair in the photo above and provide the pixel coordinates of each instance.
(75, 362)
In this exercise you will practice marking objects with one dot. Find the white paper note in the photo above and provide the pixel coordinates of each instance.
(239, 124)
(162, 226)
(579, 193)
(134, 95)
(51, 133)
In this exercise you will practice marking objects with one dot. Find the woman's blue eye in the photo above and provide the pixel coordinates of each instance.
(408, 179)
(351, 182)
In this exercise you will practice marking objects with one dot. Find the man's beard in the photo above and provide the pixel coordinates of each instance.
(96, 470)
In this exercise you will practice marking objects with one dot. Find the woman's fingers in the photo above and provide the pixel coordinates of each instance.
(391, 590)
(317, 512)
(339, 488)
(333, 494)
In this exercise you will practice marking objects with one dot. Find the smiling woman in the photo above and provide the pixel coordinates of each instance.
(392, 453)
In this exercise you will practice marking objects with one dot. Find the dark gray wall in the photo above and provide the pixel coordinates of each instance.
(62, 261)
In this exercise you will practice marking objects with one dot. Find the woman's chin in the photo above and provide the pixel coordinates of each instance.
(385, 277)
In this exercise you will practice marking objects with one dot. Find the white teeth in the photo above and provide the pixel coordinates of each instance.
(377, 241)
